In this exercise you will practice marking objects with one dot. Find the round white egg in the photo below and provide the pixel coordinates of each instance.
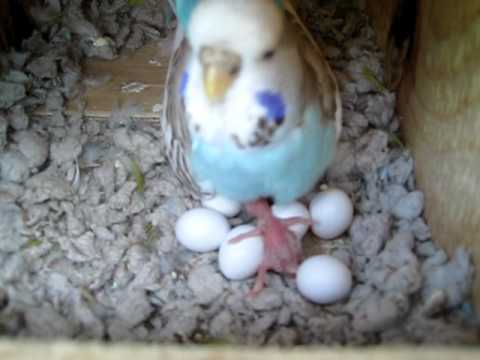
(221, 204)
(201, 229)
(324, 279)
(240, 260)
(295, 209)
(331, 212)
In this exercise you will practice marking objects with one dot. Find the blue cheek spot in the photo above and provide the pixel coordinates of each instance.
(274, 104)
(183, 84)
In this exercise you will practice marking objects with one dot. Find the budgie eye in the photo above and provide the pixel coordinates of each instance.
(267, 55)
(235, 70)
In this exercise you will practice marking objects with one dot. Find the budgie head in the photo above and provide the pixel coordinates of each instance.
(243, 81)
(183, 9)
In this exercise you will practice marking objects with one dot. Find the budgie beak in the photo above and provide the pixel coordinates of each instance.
(220, 68)
(217, 80)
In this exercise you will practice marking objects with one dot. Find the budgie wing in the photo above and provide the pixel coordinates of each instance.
(174, 123)
(320, 82)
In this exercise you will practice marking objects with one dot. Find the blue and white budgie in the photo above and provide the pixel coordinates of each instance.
(252, 112)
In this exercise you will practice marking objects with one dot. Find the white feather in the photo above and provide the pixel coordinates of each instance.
(240, 112)
(249, 27)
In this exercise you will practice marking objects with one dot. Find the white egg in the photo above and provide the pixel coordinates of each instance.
(240, 260)
(201, 229)
(324, 279)
(221, 204)
(295, 209)
(332, 213)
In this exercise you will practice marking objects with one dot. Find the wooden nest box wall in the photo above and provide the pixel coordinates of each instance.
(438, 84)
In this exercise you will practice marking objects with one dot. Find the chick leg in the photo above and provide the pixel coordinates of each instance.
(282, 249)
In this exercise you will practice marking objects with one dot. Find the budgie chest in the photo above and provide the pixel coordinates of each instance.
(284, 171)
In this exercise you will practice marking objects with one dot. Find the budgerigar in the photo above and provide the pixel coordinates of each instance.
(252, 112)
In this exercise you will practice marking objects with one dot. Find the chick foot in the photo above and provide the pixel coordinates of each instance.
(282, 248)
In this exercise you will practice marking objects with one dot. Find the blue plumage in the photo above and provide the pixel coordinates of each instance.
(184, 9)
(273, 103)
(183, 84)
(284, 171)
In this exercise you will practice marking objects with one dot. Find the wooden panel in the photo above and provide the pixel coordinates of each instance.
(440, 103)
(147, 66)
(15, 350)
(381, 16)
(143, 66)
